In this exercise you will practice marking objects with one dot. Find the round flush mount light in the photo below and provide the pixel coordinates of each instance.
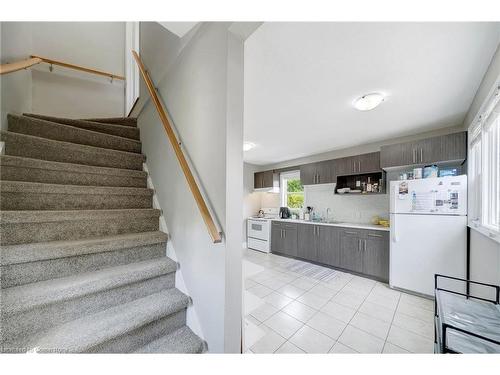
(247, 146)
(368, 101)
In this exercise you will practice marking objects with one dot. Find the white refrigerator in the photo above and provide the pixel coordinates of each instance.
(428, 231)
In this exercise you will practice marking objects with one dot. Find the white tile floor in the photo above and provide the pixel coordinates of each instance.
(291, 309)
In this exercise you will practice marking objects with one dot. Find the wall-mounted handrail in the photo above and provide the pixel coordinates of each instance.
(34, 60)
(195, 190)
(19, 65)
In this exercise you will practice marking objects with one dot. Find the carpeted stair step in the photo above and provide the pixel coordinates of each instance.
(19, 195)
(39, 226)
(28, 146)
(39, 261)
(182, 340)
(16, 168)
(39, 306)
(119, 329)
(125, 121)
(113, 129)
(60, 132)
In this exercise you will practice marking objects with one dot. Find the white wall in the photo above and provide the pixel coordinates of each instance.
(485, 253)
(99, 45)
(64, 92)
(15, 93)
(353, 209)
(194, 82)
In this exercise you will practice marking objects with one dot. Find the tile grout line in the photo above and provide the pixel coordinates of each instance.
(390, 325)
(357, 310)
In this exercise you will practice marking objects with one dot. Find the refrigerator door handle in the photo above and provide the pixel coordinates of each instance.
(395, 237)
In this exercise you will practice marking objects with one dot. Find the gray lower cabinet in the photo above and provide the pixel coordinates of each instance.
(376, 254)
(358, 250)
(284, 238)
(276, 237)
(351, 255)
(328, 245)
(307, 247)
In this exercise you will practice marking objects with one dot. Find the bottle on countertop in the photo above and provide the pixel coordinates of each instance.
(369, 186)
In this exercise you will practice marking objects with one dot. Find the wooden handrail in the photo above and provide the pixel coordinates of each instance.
(195, 190)
(19, 65)
(34, 60)
(78, 67)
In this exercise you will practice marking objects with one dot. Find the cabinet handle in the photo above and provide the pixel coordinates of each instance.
(421, 155)
(347, 232)
(413, 154)
(359, 166)
(374, 235)
(365, 246)
(359, 244)
(284, 233)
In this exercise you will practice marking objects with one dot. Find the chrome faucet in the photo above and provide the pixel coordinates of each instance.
(328, 214)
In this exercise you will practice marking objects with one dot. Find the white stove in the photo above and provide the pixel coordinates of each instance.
(259, 230)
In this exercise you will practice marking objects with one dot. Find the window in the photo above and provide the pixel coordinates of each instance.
(484, 169)
(292, 191)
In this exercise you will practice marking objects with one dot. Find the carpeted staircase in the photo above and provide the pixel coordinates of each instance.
(83, 264)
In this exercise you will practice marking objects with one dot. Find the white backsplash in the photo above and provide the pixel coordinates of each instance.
(353, 209)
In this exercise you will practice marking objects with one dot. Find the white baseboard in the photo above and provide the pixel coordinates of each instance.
(192, 320)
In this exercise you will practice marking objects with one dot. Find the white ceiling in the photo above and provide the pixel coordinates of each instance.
(178, 28)
(301, 80)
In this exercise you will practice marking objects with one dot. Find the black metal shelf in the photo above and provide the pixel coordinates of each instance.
(466, 323)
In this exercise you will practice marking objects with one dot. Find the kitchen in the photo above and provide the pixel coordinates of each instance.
(334, 234)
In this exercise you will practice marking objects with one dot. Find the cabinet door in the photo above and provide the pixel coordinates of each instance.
(454, 146)
(428, 150)
(258, 180)
(344, 166)
(376, 254)
(350, 250)
(308, 174)
(306, 241)
(267, 179)
(324, 173)
(328, 246)
(276, 237)
(369, 162)
(290, 239)
(390, 156)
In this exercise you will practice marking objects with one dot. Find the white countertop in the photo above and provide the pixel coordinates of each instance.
(342, 224)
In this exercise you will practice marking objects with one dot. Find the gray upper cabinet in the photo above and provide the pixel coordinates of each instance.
(440, 149)
(359, 164)
(368, 163)
(266, 179)
(316, 173)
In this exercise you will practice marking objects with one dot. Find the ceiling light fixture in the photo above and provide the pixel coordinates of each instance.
(369, 101)
(247, 146)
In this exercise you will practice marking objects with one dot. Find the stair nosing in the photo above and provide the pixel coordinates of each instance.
(78, 145)
(81, 130)
(60, 189)
(184, 330)
(124, 127)
(44, 251)
(48, 292)
(77, 168)
(158, 305)
(47, 216)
